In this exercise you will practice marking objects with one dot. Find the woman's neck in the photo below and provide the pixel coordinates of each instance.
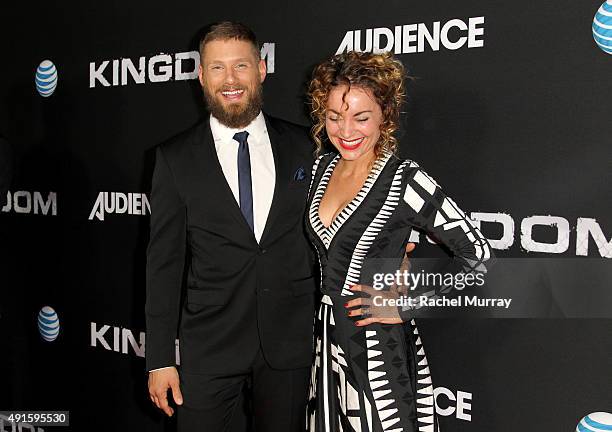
(357, 167)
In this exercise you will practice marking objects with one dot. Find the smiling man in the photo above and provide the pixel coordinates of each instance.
(227, 205)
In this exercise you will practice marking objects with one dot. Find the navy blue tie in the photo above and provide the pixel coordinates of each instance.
(244, 177)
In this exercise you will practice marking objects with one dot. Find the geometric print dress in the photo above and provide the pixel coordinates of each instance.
(376, 378)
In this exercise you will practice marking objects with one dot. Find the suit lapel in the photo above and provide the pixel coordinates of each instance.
(206, 159)
(281, 164)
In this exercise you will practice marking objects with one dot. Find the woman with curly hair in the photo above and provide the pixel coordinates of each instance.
(370, 372)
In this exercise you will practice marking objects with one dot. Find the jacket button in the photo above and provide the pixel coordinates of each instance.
(262, 251)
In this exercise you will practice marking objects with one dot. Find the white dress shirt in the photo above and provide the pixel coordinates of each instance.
(263, 173)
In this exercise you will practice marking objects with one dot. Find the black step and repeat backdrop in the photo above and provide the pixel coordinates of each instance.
(510, 111)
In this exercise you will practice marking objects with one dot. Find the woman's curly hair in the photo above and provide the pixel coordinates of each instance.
(382, 74)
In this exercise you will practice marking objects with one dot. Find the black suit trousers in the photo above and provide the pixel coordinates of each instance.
(260, 399)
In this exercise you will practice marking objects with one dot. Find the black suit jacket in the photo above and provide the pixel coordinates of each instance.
(240, 295)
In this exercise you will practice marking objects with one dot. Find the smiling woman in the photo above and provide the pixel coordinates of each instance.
(336, 93)
(363, 204)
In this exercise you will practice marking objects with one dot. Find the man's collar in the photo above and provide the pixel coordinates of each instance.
(221, 132)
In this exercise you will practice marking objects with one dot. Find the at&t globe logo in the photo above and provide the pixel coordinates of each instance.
(602, 27)
(596, 422)
(48, 324)
(46, 78)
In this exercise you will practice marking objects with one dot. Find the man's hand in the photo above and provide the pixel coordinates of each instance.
(159, 382)
(409, 248)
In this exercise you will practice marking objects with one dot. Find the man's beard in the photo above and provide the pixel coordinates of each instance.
(235, 116)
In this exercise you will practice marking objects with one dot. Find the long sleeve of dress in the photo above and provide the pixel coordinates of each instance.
(429, 209)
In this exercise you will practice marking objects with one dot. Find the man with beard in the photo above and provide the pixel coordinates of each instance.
(227, 205)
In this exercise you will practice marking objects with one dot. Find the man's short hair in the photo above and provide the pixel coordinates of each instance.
(227, 30)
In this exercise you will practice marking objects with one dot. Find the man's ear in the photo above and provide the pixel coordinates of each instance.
(262, 70)
(201, 74)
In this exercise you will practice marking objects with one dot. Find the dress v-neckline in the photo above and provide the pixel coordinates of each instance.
(338, 211)
(327, 233)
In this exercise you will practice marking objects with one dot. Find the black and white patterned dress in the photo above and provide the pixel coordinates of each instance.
(376, 378)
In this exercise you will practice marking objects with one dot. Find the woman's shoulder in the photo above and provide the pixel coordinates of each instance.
(412, 171)
(403, 166)
(407, 164)
(327, 155)
(323, 160)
